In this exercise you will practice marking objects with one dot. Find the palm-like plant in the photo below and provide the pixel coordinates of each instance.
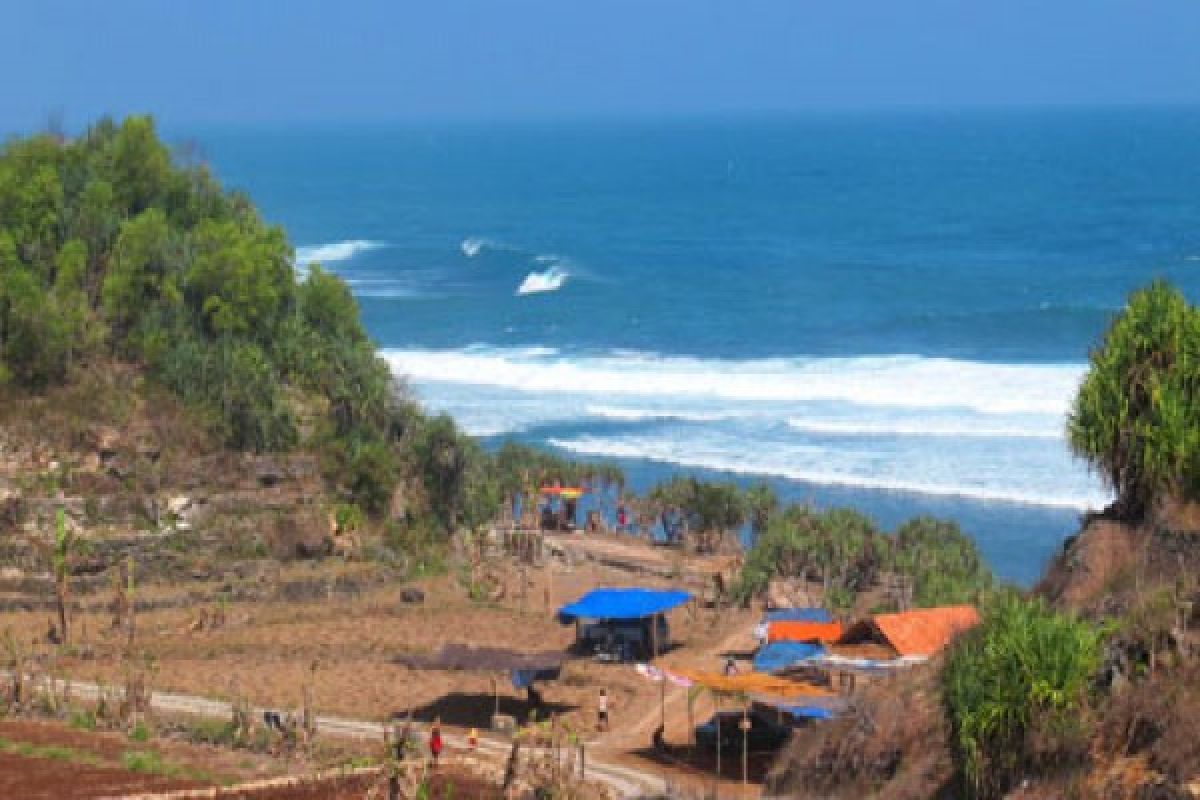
(1136, 417)
(1026, 669)
(57, 554)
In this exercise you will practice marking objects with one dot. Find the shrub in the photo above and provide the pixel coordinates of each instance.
(1015, 691)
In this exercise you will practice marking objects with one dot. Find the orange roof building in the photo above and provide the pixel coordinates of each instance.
(800, 631)
(919, 632)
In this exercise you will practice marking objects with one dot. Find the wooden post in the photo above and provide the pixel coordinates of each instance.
(717, 719)
(496, 697)
(653, 637)
(662, 683)
(745, 748)
(691, 718)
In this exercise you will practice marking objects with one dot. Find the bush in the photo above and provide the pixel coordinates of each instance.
(1015, 691)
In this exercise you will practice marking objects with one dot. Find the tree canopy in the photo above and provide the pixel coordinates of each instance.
(1136, 417)
(111, 247)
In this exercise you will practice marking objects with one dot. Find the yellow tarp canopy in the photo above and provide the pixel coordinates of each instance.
(752, 683)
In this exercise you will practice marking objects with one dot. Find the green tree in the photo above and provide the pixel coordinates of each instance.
(143, 273)
(1136, 417)
(240, 276)
(140, 165)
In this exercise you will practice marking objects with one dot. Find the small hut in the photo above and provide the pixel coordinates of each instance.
(623, 624)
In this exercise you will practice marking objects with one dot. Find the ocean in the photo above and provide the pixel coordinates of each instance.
(888, 311)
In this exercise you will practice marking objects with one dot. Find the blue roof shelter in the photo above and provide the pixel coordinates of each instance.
(778, 656)
(622, 604)
(628, 623)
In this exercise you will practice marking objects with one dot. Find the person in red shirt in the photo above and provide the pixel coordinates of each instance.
(435, 740)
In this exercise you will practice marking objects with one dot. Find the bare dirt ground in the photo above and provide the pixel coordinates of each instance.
(343, 648)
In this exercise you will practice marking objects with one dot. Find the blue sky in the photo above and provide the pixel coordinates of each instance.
(250, 60)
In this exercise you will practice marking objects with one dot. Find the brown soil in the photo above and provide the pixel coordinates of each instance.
(1091, 563)
(49, 779)
(108, 747)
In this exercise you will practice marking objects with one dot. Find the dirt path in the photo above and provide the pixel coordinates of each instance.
(623, 781)
(675, 703)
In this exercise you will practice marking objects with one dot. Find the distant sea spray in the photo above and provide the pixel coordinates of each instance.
(551, 278)
(331, 252)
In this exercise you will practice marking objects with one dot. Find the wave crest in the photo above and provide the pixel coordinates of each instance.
(876, 381)
(334, 251)
(550, 280)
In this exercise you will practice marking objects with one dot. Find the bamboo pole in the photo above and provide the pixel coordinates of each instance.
(717, 720)
(745, 748)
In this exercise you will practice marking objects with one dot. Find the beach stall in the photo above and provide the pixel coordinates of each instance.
(789, 615)
(753, 712)
(623, 624)
(799, 631)
(776, 657)
(558, 507)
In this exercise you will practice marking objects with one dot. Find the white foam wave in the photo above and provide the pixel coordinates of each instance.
(473, 246)
(928, 427)
(550, 280)
(334, 251)
(750, 461)
(910, 382)
(654, 414)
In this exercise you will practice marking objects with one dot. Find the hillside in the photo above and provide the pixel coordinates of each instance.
(1090, 686)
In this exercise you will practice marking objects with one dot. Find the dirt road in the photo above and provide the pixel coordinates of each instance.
(623, 781)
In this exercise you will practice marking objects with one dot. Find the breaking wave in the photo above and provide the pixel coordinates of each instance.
(621, 414)
(473, 246)
(334, 251)
(984, 431)
(877, 381)
(927, 427)
(550, 280)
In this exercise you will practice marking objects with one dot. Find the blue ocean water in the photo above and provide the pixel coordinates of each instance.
(890, 311)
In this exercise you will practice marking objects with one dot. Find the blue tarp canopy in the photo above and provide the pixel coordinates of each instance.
(798, 615)
(808, 712)
(622, 604)
(778, 656)
(524, 678)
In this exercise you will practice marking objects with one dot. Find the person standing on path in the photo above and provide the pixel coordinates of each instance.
(435, 740)
(602, 711)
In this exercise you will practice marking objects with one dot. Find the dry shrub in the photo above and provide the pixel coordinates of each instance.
(893, 745)
(1158, 718)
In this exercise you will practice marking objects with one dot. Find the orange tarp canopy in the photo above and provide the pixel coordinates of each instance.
(569, 492)
(798, 631)
(752, 682)
(924, 631)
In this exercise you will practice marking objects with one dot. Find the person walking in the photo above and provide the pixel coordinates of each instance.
(435, 740)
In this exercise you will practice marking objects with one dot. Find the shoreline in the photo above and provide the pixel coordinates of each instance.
(1016, 540)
